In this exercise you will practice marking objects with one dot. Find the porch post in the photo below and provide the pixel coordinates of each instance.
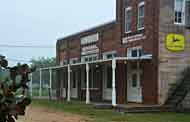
(87, 85)
(69, 84)
(31, 85)
(50, 82)
(113, 82)
(40, 90)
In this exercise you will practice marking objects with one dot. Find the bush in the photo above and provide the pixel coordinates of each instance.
(185, 75)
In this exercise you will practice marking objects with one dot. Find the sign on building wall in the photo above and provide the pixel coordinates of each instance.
(133, 38)
(90, 39)
(175, 42)
(88, 50)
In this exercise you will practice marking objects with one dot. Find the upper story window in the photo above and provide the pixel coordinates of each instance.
(179, 9)
(135, 52)
(89, 58)
(128, 19)
(110, 55)
(90, 39)
(141, 12)
(74, 60)
(64, 62)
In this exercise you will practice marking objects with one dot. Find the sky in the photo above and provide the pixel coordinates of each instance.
(40, 22)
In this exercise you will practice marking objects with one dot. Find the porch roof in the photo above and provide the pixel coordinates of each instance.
(144, 57)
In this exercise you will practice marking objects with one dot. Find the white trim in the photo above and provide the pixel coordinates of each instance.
(142, 28)
(87, 84)
(114, 103)
(144, 57)
(141, 4)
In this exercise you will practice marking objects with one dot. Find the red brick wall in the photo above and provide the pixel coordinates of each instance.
(150, 44)
(111, 36)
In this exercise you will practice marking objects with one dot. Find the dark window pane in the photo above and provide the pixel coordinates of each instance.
(134, 53)
(140, 52)
(109, 77)
(74, 80)
(134, 80)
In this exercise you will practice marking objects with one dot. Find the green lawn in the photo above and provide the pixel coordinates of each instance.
(109, 115)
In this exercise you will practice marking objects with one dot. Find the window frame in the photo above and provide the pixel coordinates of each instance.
(126, 10)
(139, 50)
(183, 13)
(140, 5)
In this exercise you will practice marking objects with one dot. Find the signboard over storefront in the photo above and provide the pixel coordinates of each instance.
(90, 39)
(88, 50)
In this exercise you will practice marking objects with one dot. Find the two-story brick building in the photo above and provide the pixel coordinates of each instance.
(128, 59)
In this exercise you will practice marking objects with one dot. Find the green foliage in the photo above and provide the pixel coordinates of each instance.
(185, 75)
(78, 107)
(43, 62)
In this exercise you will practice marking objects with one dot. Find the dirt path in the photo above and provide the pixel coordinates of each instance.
(41, 114)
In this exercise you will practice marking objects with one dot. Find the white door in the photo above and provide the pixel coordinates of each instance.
(134, 92)
(107, 83)
(74, 84)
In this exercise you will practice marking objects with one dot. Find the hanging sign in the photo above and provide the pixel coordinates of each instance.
(175, 42)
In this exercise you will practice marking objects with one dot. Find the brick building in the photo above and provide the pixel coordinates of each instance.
(128, 59)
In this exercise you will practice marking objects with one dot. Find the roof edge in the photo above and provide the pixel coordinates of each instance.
(86, 30)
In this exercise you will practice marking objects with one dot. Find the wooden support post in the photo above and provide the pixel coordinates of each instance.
(87, 84)
(69, 84)
(50, 83)
(40, 89)
(31, 87)
(113, 82)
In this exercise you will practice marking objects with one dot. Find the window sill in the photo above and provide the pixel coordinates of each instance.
(142, 28)
(127, 32)
(179, 24)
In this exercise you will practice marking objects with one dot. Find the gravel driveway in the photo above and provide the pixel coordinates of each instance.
(41, 114)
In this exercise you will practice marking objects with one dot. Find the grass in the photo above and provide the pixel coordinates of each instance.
(110, 115)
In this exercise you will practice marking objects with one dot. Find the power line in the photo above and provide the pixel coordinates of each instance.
(25, 46)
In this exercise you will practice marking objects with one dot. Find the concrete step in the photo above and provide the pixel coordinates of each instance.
(103, 106)
(144, 109)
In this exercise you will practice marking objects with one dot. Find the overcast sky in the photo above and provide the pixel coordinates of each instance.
(41, 22)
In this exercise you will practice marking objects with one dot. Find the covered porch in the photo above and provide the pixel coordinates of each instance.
(102, 81)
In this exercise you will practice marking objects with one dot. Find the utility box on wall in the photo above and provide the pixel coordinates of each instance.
(187, 16)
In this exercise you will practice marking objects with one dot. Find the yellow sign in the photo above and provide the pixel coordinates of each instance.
(175, 42)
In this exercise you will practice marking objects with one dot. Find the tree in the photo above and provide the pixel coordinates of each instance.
(42, 62)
